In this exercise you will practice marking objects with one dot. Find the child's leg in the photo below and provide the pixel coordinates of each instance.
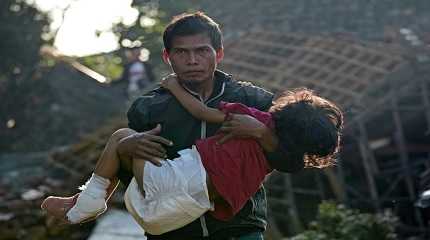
(109, 162)
(91, 201)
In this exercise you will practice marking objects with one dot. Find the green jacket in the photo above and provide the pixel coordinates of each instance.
(158, 106)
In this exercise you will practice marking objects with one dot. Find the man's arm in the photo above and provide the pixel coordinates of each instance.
(146, 145)
(193, 106)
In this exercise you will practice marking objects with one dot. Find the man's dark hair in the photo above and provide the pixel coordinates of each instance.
(190, 24)
(308, 127)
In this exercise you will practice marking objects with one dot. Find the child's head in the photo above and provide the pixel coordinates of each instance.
(308, 127)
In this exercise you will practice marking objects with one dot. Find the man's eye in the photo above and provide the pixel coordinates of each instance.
(180, 51)
(203, 50)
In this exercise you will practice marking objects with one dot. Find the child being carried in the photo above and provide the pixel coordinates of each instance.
(213, 177)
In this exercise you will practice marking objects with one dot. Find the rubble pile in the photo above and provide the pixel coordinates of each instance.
(26, 179)
(62, 106)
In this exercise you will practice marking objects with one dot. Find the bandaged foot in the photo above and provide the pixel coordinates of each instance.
(91, 201)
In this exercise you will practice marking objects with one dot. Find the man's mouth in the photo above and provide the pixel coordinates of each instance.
(194, 72)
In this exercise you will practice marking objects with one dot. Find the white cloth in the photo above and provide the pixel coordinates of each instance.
(175, 194)
(91, 201)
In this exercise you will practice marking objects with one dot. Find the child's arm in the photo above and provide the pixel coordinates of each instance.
(241, 126)
(193, 106)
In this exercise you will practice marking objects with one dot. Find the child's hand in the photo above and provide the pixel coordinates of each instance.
(241, 126)
(169, 81)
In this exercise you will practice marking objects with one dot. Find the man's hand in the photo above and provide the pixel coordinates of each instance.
(245, 126)
(146, 145)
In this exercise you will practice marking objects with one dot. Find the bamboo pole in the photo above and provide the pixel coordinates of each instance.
(367, 168)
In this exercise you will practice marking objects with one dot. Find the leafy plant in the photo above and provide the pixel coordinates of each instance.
(107, 64)
(339, 222)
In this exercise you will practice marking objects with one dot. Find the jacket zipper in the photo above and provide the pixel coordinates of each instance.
(202, 136)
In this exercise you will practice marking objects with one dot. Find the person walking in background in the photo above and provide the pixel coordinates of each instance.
(136, 73)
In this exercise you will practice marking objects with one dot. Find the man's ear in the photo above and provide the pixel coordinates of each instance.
(165, 56)
(219, 55)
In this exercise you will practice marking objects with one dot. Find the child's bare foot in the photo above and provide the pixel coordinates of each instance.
(58, 207)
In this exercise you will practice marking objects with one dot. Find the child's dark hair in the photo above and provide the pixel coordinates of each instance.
(308, 127)
(191, 24)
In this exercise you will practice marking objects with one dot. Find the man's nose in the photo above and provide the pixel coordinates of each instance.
(192, 58)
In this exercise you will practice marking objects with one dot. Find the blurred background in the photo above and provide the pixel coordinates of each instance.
(64, 90)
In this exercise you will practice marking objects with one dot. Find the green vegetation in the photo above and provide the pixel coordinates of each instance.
(337, 222)
(108, 64)
(148, 29)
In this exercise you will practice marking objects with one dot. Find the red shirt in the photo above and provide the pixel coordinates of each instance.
(236, 168)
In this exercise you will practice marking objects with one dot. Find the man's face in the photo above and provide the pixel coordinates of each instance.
(133, 54)
(193, 58)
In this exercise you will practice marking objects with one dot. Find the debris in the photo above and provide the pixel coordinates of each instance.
(44, 188)
(6, 216)
(53, 182)
(32, 194)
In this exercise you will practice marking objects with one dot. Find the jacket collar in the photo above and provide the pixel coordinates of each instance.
(220, 79)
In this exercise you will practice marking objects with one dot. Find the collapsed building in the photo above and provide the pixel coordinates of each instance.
(383, 90)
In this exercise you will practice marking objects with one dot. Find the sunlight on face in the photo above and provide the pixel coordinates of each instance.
(84, 18)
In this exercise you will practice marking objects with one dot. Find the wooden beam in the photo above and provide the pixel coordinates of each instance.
(335, 184)
(393, 184)
(401, 145)
(296, 224)
(369, 152)
(368, 171)
(341, 178)
(404, 158)
(426, 103)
